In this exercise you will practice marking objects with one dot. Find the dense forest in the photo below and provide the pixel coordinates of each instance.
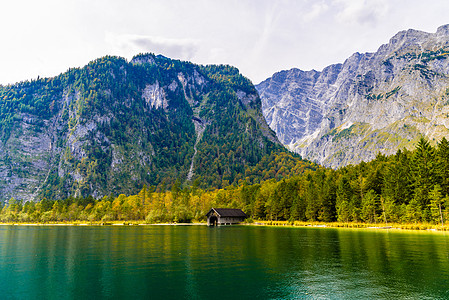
(408, 187)
(114, 126)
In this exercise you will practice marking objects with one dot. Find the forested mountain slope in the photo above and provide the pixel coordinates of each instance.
(113, 126)
(373, 102)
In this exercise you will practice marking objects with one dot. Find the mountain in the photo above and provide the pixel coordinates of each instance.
(113, 126)
(373, 102)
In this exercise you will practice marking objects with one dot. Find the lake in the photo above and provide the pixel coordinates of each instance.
(234, 262)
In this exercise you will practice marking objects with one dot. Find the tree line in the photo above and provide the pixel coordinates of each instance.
(408, 187)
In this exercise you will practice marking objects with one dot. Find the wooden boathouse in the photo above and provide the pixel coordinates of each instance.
(225, 216)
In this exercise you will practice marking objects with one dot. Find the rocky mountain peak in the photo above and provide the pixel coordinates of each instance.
(443, 30)
(373, 102)
(408, 37)
(143, 59)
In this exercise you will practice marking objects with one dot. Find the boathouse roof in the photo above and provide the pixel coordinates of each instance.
(227, 212)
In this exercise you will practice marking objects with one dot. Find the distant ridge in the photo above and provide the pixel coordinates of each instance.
(373, 102)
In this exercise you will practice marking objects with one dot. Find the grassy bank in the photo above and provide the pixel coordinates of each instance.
(417, 226)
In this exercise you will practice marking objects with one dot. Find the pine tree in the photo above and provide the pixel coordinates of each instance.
(368, 209)
(424, 175)
(443, 165)
(342, 202)
(396, 185)
(436, 200)
(389, 209)
(312, 200)
(413, 212)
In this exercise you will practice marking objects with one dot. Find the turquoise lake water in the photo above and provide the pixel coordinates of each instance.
(235, 262)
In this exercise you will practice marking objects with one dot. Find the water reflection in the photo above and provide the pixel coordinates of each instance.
(195, 262)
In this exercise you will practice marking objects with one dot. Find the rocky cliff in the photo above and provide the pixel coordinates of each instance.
(113, 126)
(373, 102)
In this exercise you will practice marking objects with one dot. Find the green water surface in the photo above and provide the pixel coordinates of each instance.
(235, 262)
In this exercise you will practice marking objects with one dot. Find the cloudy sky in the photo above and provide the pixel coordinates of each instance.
(260, 37)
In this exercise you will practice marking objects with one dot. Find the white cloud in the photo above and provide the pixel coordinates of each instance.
(316, 11)
(361, 11)
(259, 37)
(131, 44)
(217, 54)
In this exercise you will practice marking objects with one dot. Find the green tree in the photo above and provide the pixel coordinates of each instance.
(11, 211)
(442, 154)
(369, 207)
(424, 172)
(397, 181)
(342, 202)
(436, 200)
(389, 209)
(413, 212)
(313, 200)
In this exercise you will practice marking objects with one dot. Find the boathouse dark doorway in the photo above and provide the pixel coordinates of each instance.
(213, 221)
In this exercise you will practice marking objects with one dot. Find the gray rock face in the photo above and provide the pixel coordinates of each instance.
(113, 126)
(373, 102)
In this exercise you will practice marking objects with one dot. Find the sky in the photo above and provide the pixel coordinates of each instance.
(260, 37)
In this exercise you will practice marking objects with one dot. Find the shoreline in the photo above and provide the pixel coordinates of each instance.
(392, 226)
(340, 225)
(101, 224)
